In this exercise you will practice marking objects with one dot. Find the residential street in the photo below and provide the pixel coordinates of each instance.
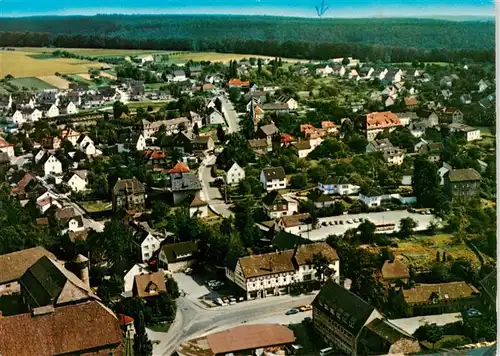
(230, 114)
(210, 194)
(192, 320)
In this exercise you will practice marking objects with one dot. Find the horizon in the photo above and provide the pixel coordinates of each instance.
(301, 8)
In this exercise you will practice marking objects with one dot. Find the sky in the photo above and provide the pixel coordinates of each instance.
(303, 8)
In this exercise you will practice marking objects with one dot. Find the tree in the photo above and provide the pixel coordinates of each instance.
(407, 227)
(234, 94)
(429, 332)
(221, 134)
(196, 129)
(299, 181)
(142, 345)
(172, 288)
(322, 266)
(259, 65)
(346, 61)
(367, 231)
(119, 108)
(426, 183)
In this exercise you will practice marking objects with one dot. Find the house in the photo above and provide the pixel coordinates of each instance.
(286, 139)
(69, 108)
(329, 126)
(377, 122)
(172, 126)
(302, 148)
(149, 285)
(337, 185)
(411, 102)
(147, 244)
(74, 224)
(145, 59)
(379, 145)
(440, 298)
(184, 185)
(272, 274)
(51, 111)
(266, 132)
(198, 207)
(237, 83)
(179, 168)
(82, 328)
(202, 144)
(371, 197)
(277, 107)
(178, 256)
(273, 178)
(430, 149)
(194, 71)
(78, 181)
(13, 266)
(356, 106)
(234, 174)
(70, 135)
(395, 273)
(129, 194)
(5, 102)
(130, 142)
(294, 224)
(259, 339)
(466, 99)
(447, 94)
(323, 201)
(463, 183)
(290, 102)
(284, 241)
(353, 327)
(128, 279)
(215, 117)
(7, 148)
(179, 76)
(260, 146)
(483, 85)
(24, 186)
(51, 165)
(47, 200)
(324, 70)
(446, 82)
(407, 118)
(431, 118)
(468, 132)
(452, 115)
(275, 205)
(394, 156)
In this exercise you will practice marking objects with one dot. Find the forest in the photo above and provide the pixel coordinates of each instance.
(376, 39)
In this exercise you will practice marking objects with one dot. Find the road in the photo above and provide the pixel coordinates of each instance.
(193, 321)
(210, 194)
(230, 114)
(124, 96)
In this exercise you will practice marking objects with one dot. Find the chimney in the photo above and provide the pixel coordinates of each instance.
(81, 262)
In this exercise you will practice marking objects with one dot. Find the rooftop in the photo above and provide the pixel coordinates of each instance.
(396, 269)
(187, 181)
(14, 265)
(464, 175)
(425, 293)
(129, 185)
(179, 251)
(295, 220)
(378, 120)
(272, 173)
(180, 167)
(146, 285)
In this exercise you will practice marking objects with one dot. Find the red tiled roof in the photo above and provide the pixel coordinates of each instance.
(14, 264)
(380, 120)
(4, 143)
(287, 138)
(70, 329)
(327, 125)
(238, 82)
(125, 319)
(180, 167)
(153, 154)
(305, 127)
(21, 185)
(249, 337)
(146, 285)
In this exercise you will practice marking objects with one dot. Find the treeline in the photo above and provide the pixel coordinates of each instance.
(286, 49)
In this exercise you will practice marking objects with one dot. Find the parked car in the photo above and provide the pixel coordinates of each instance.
(219, 301)
(188, 270)
(341, 222)
(304, 308)
(324, 223)
(330, 223)
(349, 221)
(292, 311)
(355, 220)
(225, 300)
(232, 301)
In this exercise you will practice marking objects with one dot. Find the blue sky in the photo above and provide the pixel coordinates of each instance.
(338, 8)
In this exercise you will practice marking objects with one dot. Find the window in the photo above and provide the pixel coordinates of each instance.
(146, 255)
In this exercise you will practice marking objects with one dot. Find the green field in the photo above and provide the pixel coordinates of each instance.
(45, 53)
(31, 82)
(95, 206)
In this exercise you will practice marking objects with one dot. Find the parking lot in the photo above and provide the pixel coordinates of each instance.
(384, 217)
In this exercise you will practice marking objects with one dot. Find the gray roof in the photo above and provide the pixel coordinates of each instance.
(185, 182)
(269, 130)
(179, 73)
(463, 175)
(133, 185)
(274, 173)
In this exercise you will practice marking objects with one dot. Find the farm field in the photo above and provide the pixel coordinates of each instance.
(31, 82)
(219, 57)
(20, 64)
(107, 75)
(55, 81)
(92, 52)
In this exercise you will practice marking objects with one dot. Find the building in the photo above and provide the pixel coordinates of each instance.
(147, 244)
(371, 197)
(273, 178)
(463, 183)
(452, 115)
(215, 117)
(394, 272)
(198, 207)
(52, 165)
(394, 156)
(431, 299)
(78, 329)
(350, 325)
(294, 224)
(179, 76)
(256, 339)
(78, 181)
(275, 205)
(202, 144)
(178, 256)
(379, 145)
(234, 174)
(337, 185)
(237, 83)
(469, 133)
(271, 274)
(13, 265)
(302, 148)
(377, 122)
(149, 285)
(7, 148)
(290, 102)
(129, 194)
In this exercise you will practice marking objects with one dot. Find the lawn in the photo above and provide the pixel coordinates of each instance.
(55, 81)
(163, 327)
(20, 64)
(31, 82)
(95, 206)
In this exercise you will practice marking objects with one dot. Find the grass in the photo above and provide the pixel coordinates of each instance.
(219, 57)
(79, 79)
(31, 82)
(91, 52)
(451, 341)
(20, 64)
(3, 90)
(95, 206)
(162, 328)
(55, 81)
(145, 104)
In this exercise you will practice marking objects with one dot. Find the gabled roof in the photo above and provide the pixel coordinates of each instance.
(257, 143)
(271, 173)
(196, 202)
(396, 269)
(146, 285)
(4, 143)
(23, 183)
(424, 293)
(295, 220)
(379, 120)
(268, 130)
(284, 240)
(273, 198)
(185, 182)
(132, 186)
(301, 145)
(179, 251)
(179, 167)
(464, 175)
(13, 265)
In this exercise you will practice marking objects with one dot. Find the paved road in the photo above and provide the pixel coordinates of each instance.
(192, 320)
(124, 96)
(230, 114)
(384, 217)
(210, 194)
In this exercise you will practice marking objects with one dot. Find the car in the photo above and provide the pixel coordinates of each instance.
(355, 220)
(324, 223)
(241, 299)
(225, 300)
(472, 312)
(349, 221)
(292, 311)
(422, 212)
(331, 223)
(427, 212)
(304, 308)
(188, 270)
(232, 301)
(387, 209)
(219, 301)
(341, 222)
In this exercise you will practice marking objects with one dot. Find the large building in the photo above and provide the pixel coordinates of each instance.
(129, 194)
(463, 183)
(271, 274)
(377, 122)
(353, 327)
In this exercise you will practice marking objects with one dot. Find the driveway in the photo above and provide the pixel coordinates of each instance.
(384, 217)
(192, 286)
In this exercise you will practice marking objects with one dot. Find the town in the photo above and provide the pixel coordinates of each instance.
(252, 206)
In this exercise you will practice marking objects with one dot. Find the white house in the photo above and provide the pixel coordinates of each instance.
(53, 111)
(177, 256)
(17, 118)
(337, 185)
(271, 274)
(324, 70)
(294, 224)
(75, 224)
(78, 181)
(179, 76)
(128, 280)
(275, 205)
(290, 102)
(445, 168)
(7, 148)
(198, 207)
(70, 135)
(234, 174)
(52, 166)
(371, 198)
(394, 156)
(47, 200)
(147, 244)
(83, 141)
(302, 148)
(70, 109)
(273, 178)
(39, 156)
(215, 118)
(470, 133)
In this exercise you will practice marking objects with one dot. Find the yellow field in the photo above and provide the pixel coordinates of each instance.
(107, 75)
(222, 57)
(19, 64)
(85, 76)
(56, 81)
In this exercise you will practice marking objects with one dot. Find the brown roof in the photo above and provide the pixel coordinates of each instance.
(463, 175)
(257, 143)
(302, 145)
(305, 252)
(180, 167)
(327, 125)
(125, 184)
(146, 285)
(4, 143)
(197, 202)
(249, 337)
(294, 220)
(423, 293)
(411, 101)
(22, 184)
(380, 120)
(64, 213)
(238, 82)
(75, 328)
(14, 265)
(395, 270)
